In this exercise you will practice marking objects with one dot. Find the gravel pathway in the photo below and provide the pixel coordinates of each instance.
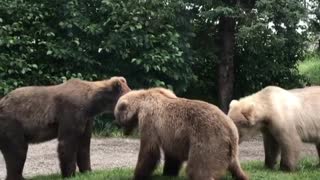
(115, 152)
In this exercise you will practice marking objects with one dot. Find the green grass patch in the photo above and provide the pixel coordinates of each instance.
(116, 133)
(113, 174)
(105, 126)
(308, 169)
(310, 68)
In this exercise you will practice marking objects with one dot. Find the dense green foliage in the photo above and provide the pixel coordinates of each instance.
(46, 42)
(255, 169)
(314, 14)
(268, 44)
(152, 43)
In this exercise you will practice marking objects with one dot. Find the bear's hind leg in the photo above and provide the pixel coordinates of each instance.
(171, 166)
(271, 149)
(205, 163)
(290, 150)
(83, 154)
(318, 150)
(14, 149)
(196, 170)
(236, 170)
(148, 158)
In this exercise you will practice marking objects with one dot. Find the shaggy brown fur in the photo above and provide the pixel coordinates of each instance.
(186, 130)
(39, 113)
(286, 118)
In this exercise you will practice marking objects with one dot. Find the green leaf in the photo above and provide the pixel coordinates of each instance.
(49, 52)
(139, 26)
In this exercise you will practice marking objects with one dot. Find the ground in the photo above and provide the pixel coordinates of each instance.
(108, 153)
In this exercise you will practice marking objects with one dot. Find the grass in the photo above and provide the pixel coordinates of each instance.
(118, 133)
(310, 68)
(308, 169)
(114, 174)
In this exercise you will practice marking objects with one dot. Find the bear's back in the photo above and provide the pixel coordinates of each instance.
(203, 118)
(36, 95)
(185, 122)
(39, 102)
(313, 90)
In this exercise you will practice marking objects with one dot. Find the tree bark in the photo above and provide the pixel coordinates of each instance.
(227, 31)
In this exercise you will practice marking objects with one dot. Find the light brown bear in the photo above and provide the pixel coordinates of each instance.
(286, 118)
(186, 130)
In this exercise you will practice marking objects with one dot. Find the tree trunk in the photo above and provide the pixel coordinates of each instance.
(226, 65)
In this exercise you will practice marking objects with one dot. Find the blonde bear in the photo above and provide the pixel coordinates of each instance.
(286, 118)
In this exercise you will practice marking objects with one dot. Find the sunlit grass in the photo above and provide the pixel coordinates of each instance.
(308, 169)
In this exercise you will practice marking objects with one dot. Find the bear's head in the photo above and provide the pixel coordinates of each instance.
(245, 115)
(119, 86)
(126, 111)
(106, 94)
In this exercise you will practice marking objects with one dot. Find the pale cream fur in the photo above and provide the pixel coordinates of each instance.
(286, 117)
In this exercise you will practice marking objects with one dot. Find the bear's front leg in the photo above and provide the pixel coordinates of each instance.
(149, 156)
(67, 151)
(290, 149)
(271, 149)
(171, 165)
(83, 154)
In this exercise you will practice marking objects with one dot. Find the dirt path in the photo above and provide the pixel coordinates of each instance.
(114, 152)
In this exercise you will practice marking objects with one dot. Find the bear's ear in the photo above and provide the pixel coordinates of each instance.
(117, 83)
(123, 80)
(249, 113)
(123, 105)
(233, 103)
(120, 84)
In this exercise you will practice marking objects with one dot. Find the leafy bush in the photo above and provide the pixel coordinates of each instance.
(310, 69)
(269, 46)
(47, 42)
(152, 43)
(105, 125)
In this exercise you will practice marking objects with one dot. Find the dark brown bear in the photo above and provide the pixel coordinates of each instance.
(186, 130)
(40, 113)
